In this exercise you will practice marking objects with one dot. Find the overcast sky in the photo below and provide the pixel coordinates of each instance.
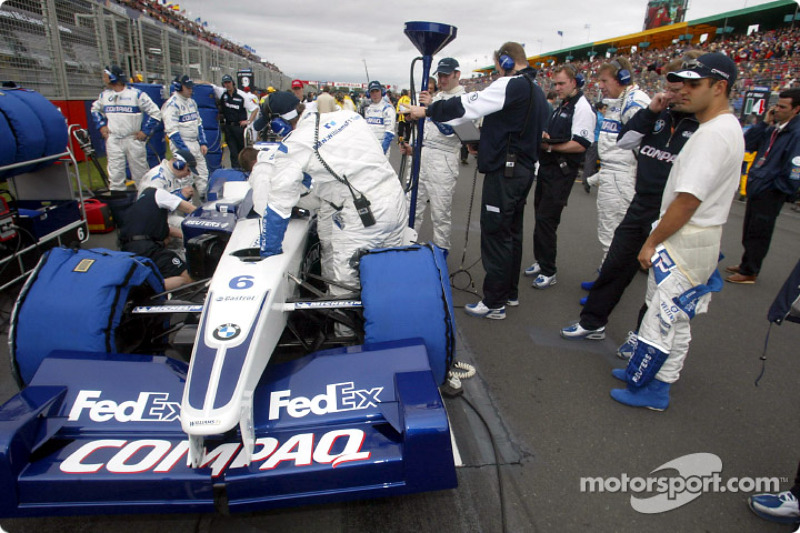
(331, 40)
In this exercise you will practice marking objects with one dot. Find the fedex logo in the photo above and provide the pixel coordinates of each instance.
(148, 407)
(336, 398)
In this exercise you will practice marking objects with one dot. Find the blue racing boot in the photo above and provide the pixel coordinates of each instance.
(654, 395)
(782, 508)
(583, 300)
(587, 285)
(621, 374)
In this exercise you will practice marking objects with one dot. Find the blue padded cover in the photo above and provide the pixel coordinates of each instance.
(72, 303)
(8, 144)
(209, 119)
(203, 94)
(53, 123)
(157, 145)
(219, 177)
(27, 130)
(406, 294)
(213, 161)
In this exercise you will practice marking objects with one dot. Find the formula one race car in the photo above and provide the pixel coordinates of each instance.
(287, 397)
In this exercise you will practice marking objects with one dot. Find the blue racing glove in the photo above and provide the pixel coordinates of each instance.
(273, 228)
(387, 141)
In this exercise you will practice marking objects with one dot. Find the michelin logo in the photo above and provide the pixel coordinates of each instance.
(337, 398)
(148, 407)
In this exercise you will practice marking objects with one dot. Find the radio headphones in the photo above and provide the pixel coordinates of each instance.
(115, 74)
(580, 81)
(505, 61)
(178, 163)
(176, 84)
(623, 75)
(277, 124)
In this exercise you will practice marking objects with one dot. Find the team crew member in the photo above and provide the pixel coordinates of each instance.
(146, 233)
(380, 116)
(659, 132)
(515, 112)
(615, 181)
(356, 179)
(118, 114)
(568, 134)
(184, 129)
(172, 175)
(773, 179)
(238, 111)
(438, 169)
(683, 249)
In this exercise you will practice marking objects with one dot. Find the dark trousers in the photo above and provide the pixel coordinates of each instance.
(550, 198)
(796, 487)
(404, 130)
(502, 209)
(621, 262)
(234, 136)
(759, 222)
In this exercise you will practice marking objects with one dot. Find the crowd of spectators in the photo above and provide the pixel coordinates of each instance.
(765, 59)
(169, 16)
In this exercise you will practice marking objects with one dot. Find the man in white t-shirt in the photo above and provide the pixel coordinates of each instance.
(682, 251)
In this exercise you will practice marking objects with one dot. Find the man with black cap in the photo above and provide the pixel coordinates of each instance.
(118, 114)
(336, 151)
(515, 111)
(439, 167)
(682, 250)
(184, 128)
(238, 111)
(147, 232)
(380, 116)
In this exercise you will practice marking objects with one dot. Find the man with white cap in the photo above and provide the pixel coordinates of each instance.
(682, 250)
(380, 116)
(184, 128)
(439, 164)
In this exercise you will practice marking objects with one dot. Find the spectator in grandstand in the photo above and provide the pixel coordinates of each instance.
(683, 248)
(515, 112)
(774, 178)
(118, 113)
(146, 232)
(616, 179)
(380, 116)
(567, 135)
(354, 173)
(439, 168)
(659, 132)
(185, 130)
(238, 111)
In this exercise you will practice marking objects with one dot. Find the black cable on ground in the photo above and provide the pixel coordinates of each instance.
(469, 285)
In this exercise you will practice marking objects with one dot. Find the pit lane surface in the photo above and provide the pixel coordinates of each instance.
(551, 419)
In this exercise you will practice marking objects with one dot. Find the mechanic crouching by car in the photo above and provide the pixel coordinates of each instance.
(338, 153)
(146, 232)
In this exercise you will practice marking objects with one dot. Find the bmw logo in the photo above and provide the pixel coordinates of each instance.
(227, 332)
(659, 126)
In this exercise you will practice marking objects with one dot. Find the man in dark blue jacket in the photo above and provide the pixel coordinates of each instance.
(659, 132)
(774, 178)
(515, 112)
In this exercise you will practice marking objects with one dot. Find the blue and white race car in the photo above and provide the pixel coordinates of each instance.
(273, 406)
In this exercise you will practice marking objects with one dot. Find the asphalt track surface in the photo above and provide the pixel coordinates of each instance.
(546, 418)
